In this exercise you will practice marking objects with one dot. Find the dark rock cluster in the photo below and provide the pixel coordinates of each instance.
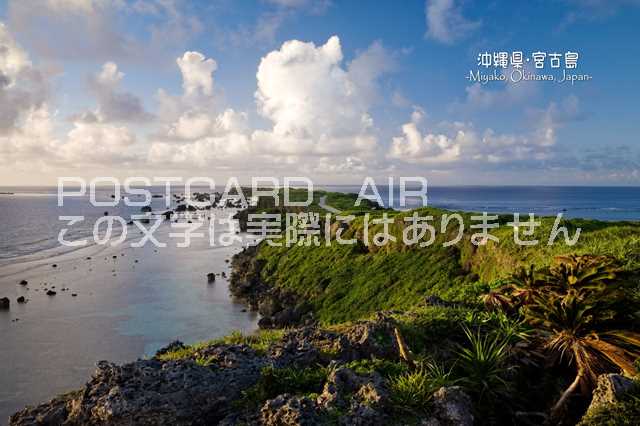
(277, 307)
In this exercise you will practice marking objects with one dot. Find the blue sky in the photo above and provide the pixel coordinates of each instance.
(102, 91)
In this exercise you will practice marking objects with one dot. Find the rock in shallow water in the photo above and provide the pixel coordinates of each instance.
(5, 303)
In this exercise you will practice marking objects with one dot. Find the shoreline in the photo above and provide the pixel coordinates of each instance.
(51, 343)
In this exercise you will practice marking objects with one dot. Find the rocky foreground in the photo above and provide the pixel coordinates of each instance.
(189, 392)
(296, 372)
(186, 392)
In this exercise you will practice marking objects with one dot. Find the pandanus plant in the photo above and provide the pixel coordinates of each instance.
(582, 316)
(517, 292)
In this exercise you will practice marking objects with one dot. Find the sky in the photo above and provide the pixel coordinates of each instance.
(328, 89)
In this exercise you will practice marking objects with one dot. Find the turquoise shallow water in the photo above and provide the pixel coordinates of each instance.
(123, 310)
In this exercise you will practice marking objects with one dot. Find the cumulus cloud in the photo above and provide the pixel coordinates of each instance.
(413, 146)
(316, 104)
(445, 22)
(462, 144)
(97, 143)
(196, 73)
(194, 114)
(194, 124)
(27, 127)
(315, 111)
(218, 152)
(22, 87)
(196, 133)
(31, 141)
(114, 105)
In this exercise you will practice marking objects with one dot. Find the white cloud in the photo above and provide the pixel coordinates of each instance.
(414, 147)
(97, 143)
(197, 73)
(318, 107)
(461, 144)
(341, 166)
(13, 59)
(193, 114)
(194, 125)
(28, 127)
(109, 76)
(316, 104)
(30, 141)
(318, 112)
(209, 152)
(23, 88)
(196, 134)
(191, 125)
(114, 105)
(445, 22)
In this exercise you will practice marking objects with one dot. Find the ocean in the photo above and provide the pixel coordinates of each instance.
(594, 202)
(30, 215)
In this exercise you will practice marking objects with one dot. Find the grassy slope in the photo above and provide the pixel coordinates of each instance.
(346, 282)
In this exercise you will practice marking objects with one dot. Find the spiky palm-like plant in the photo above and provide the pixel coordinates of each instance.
(483, 361)
(579, 309)
(517, 292)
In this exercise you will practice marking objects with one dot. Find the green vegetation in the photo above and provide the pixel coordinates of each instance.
(413, 389)
(258, 341)
(384, 367)
(520, 328)
(346, 282)
(483, 362)
(276, 381)
(581, 311)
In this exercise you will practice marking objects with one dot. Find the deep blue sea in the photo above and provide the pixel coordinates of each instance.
(30, 215)
(602, 203)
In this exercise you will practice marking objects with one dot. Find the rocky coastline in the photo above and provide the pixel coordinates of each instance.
(277, 308)
(212, 383)
(185, 392)
(296, 370)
